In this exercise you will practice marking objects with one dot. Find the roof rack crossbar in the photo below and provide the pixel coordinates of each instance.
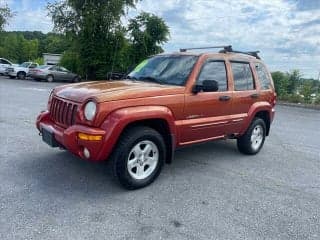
(251, 53)
(225, 49)
(197, 48)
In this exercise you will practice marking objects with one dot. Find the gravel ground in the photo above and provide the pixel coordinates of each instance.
(210, 191)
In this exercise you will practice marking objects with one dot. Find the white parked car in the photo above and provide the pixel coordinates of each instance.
(21, 71)
(4, 64)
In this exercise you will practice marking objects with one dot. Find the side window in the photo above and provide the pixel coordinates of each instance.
(242, 76)
(263, 76)
(214, 70)
(33, 65)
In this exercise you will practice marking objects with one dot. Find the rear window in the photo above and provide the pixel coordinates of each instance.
(263, 76)
(242, 76)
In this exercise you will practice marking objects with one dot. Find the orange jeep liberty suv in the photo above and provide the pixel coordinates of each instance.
(167, 101)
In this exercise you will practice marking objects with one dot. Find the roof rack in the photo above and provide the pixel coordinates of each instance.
(225, 49)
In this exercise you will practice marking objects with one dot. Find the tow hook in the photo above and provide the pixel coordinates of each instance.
(40, 133)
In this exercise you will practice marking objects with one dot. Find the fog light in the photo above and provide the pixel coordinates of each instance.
(86, 153)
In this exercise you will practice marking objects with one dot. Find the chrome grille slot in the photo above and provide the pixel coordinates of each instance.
(63, 112)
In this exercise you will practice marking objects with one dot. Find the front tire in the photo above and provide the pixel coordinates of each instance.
(76, 79)
(21, 75)
(252, 141)
(138, 157)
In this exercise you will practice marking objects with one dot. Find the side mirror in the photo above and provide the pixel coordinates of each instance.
(207, 86)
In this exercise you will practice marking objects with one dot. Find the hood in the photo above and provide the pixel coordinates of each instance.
(103, 91)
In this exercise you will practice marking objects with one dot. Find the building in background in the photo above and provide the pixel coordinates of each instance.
(51, 59)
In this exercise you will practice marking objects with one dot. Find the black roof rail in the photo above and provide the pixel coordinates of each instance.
(225, 49)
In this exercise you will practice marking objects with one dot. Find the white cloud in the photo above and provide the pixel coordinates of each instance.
(284, 34)
(275, 27)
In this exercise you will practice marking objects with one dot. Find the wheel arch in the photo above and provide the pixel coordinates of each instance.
(156, 117)
(262, 110)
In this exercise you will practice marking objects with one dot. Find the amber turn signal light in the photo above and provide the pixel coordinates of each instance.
(88, 137)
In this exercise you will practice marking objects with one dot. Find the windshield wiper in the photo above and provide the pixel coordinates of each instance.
(151, 79)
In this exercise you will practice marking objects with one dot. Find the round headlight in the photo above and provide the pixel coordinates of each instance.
(90, 110)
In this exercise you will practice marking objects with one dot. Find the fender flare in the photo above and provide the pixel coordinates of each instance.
(118, 120)
(254, 109)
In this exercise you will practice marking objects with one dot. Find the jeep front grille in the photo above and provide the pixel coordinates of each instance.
(63, 112)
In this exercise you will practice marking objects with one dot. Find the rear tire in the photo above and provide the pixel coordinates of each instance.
(50, 78)
(21, 75)
(138, 157)
(76, 79)
(252, 141)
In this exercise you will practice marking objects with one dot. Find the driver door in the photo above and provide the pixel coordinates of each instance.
(207, 113)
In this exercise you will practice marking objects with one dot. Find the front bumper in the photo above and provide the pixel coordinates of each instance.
(12, 74)
(68, 138)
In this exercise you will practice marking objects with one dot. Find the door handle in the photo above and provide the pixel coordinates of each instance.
(255, 95)
(224, 98)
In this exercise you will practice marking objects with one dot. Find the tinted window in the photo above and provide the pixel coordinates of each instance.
(165, 69)
(33, 65)
(54, 68)
(242, 76)
(4, 61)
(214, 71)
(263, 76)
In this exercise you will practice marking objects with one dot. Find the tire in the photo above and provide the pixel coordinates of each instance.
(12, 77)
(76, 79)
(21, 75)
(129, 161)
(252, 141)
(50, 78)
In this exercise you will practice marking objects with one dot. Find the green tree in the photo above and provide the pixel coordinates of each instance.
(294, 81)
(281, 82)
(147, 32)
(95, 29)
(5, 14)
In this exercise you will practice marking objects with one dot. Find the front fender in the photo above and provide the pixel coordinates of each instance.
(115, 122)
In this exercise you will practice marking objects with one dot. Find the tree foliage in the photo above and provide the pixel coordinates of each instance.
(5, 14)
(24, 46)
(147, 32)
(292, 87)
(99, 38)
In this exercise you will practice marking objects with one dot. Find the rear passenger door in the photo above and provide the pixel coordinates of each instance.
(245, 91)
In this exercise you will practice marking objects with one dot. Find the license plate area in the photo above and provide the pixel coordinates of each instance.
(48, 137)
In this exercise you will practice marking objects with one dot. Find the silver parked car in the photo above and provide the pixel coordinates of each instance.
(53, 73)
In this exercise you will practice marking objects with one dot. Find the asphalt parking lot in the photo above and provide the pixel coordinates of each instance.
(210, 191)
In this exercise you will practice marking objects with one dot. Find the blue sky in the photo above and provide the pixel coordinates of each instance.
(287, 32)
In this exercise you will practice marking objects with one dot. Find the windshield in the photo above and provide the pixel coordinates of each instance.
(25, 64)
(165, 69)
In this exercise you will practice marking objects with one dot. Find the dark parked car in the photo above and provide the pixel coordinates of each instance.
(53, 73)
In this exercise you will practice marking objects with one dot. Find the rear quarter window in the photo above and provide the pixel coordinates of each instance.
(263, 76)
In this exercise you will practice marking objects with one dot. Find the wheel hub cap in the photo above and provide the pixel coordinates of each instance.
(143, 159)
(256, 137)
